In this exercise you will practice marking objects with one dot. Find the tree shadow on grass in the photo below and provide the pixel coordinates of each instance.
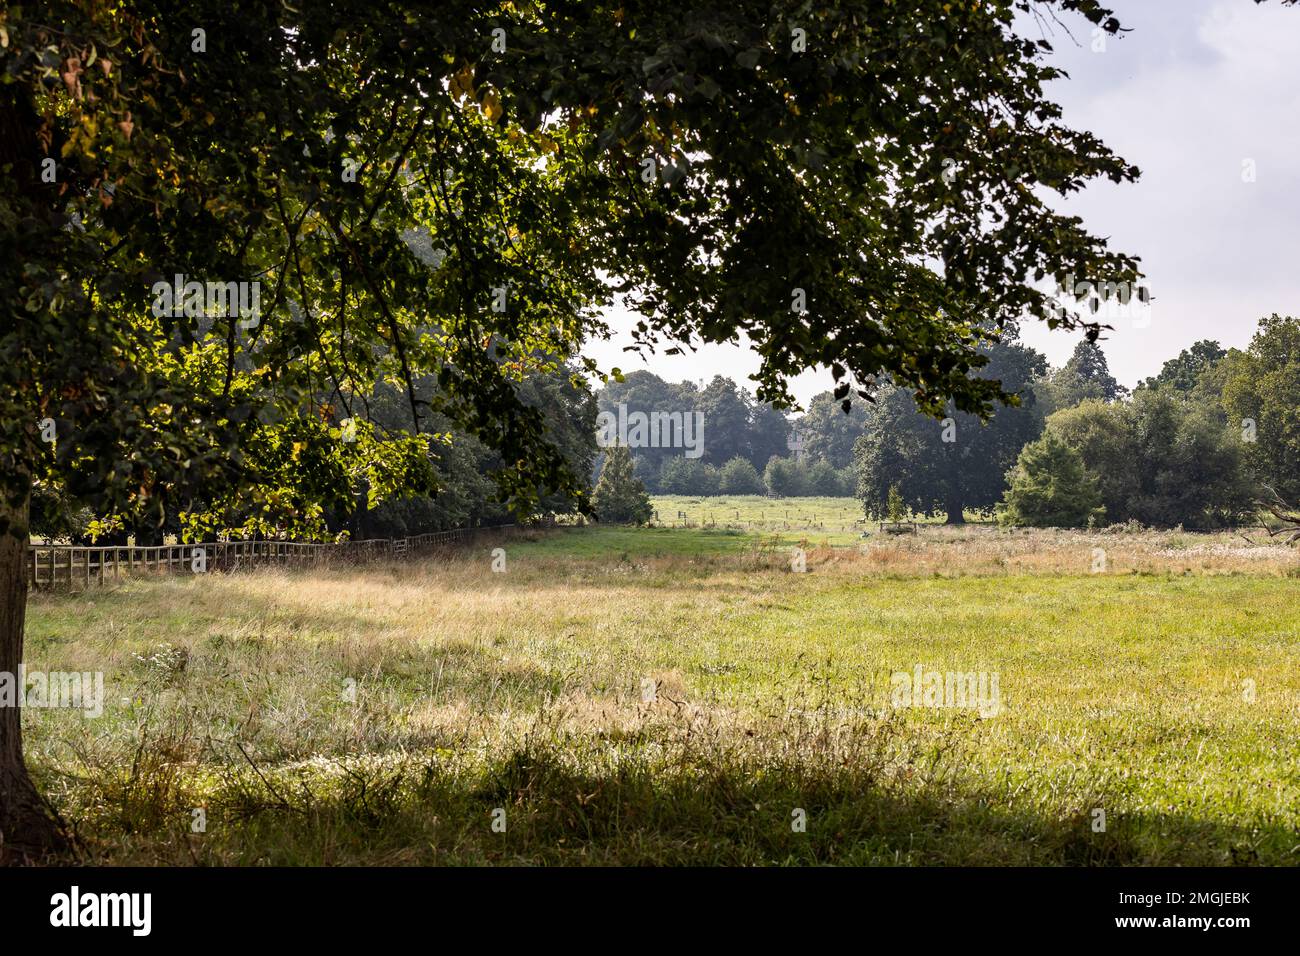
(540, 804)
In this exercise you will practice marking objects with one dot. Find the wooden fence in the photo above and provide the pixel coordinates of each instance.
(72, 566)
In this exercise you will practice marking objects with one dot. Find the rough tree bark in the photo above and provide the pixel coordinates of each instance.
(27, 828)
(28, 831)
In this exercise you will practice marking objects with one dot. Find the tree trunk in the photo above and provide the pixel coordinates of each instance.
(955, 507)
(28, 830)
(955, 498)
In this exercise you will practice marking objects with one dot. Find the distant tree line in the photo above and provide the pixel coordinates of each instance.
(746, 443)
(1197, 445)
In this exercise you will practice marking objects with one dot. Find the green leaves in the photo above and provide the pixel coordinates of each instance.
(1261, 394)
(1051, 488)
(620, 498)
(814, 168)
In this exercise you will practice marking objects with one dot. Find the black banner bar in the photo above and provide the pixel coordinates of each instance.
(330, 906)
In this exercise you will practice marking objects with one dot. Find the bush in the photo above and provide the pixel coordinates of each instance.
(1050, 488)
(1161, 459)
(739, 477)
(688, 476)
(824, 480)
(620, 497)
(786, 477)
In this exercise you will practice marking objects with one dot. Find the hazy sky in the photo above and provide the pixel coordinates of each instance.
(1197, 95)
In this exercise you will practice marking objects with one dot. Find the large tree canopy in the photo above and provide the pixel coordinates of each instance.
(1261, 393)
(444, 189)
(1161, 458)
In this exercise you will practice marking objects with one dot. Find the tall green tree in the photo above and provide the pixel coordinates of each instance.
(1261, 393)
(957, 463)
(1085, 376)
(1102, 434)
(768, 432)
(726, 421)
(829, 432)
(620, 498)
(1049, 487)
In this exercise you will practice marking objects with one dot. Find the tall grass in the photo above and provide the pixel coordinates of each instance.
(682, 697)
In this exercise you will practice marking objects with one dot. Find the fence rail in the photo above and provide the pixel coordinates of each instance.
(70, 565)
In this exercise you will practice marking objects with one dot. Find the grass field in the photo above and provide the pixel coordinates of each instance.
(759, 513)
(828, 521)
(682, 696)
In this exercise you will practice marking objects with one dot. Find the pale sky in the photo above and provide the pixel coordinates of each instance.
(1198, 94)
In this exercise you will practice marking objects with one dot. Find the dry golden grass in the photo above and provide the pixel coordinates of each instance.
(988, 550)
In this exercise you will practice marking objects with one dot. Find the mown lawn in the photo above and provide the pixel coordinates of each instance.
(682, 696)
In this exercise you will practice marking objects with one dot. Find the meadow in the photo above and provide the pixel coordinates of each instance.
(828, 521)
(758, 513)
(683, 696)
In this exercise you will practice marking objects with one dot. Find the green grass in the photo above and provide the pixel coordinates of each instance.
(522, 691)
(834, 521)
(837, 521)
(621, 543)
